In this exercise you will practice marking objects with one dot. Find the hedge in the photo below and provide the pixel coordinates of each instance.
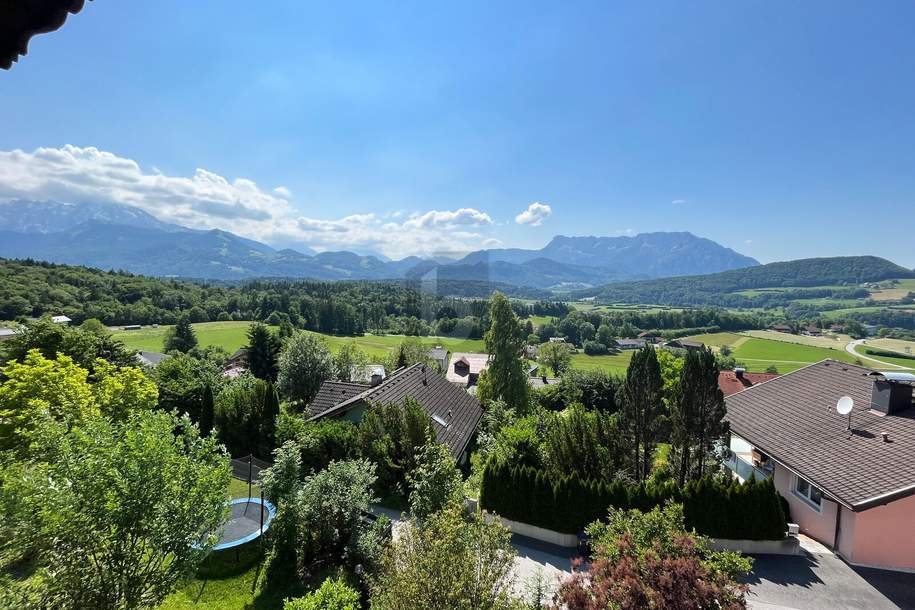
(748, 511)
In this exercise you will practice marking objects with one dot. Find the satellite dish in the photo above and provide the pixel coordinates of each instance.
(845, 405)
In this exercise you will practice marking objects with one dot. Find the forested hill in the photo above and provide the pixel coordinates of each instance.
(33, 289)
(718, 288)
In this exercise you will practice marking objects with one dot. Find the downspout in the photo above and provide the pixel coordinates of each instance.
(835, 542)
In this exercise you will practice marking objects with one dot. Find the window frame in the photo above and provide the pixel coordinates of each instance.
(808, 497)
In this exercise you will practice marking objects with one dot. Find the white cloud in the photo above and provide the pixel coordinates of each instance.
(748, 241)
(207, 200)
(678, 201)
(534, 215)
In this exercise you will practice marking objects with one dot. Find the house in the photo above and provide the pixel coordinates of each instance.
(61, 320)
(466, 367)
(649, 336)
(631, 343)
(812, 331)
(454, 413)
(439, 356)
(542, 381)
(738, 380)
(836, 328)
(849, 480)
(783, 328)
(557, 339)
(7, 333)
(531, 351)
(151, 359)
(684, 344)
(236, 364)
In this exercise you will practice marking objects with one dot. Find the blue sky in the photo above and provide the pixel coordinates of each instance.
(782, 130)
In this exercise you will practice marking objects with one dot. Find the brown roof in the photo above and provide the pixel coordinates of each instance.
(793, 419)
(442, 400)
(730, 384)
(333, 393)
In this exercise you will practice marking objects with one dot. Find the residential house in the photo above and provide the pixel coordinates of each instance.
(542, 381)
(465, 368)
(236, 364)
(151, 359)
(649, 336)
(812, 331)
(7, 333)
(61, 320)
(849, 480)
(557, 340)
(738, 380)
(454, 413)
(439, 356)
(783, 328)
(684, 344)
(631, 343)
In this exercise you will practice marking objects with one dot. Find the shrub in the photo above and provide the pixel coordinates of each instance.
(333, 594)
(593, 348)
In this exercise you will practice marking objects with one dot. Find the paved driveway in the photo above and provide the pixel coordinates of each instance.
(816, 581)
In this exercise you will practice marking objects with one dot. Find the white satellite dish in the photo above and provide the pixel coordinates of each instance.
(845, 404)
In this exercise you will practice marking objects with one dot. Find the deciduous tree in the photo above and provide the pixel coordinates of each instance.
(304, 364)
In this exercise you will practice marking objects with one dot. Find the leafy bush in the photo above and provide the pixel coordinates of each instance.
(593, 348)
(333, 594)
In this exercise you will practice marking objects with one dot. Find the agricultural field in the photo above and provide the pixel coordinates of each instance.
(757, 354)
(828, 341)
(894, 293)
(613, 363)
(893, 345)
(901, 362)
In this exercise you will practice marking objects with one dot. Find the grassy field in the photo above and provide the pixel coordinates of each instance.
(893, 345)
(902, 362)
(757, 354)
(896, 292)
(829, 341)
(616, 363)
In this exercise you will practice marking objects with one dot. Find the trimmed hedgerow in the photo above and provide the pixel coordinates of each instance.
(748, 511)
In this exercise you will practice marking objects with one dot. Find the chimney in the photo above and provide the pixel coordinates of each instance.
(739, 371)
(376, 379)
(892, 392)
(544, 380)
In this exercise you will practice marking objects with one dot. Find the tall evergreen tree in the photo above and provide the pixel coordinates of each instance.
(642, 412)
(263, 351)
(269, 413)
(504, 343)
(181, 337)
(698, 414)
(206, 411)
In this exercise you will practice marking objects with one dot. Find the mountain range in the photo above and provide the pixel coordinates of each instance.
(112, 236)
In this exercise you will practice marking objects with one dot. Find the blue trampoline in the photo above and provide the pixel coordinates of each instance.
(248, 519)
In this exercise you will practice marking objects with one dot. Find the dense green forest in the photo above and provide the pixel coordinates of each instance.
(845, 274)
(33, 289)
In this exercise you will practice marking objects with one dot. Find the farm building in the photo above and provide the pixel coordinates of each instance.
(453, 411)
(849, 480)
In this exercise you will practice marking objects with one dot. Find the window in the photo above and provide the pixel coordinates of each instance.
(808, 493)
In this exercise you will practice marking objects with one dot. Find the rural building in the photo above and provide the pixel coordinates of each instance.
(465, 368)
(542, 381)
(812, 331)
(630, 343)
(236, 364)
(439, 356)
(649, 336)
(557, 339)
(454, 413)
(783, 328)
(151, 359)
(851, 489)
(61, 320)
(684, 344)
(836, 328)
(7, 333)
(738, 380)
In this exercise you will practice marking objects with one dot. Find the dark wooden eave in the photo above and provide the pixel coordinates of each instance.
(22, 19)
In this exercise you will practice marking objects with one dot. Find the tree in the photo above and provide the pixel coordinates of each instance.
(451, 562)
(333, 594)
(182, 381)
(83, 346)
(698, 415)
(263, 350)
(641, 411)
(556, 356)
(123, 511)
(94, 326)
(181, 336)
(584, 442)
(435, 481)
(348, 360)
(504, 343)
(304, 364)
(241, 417)
(410, 351)
(269, 416)
(207, 411)
(120, 391)
(391, 435)
(649, 560)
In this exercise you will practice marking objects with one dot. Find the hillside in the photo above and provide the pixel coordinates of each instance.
(719, 289)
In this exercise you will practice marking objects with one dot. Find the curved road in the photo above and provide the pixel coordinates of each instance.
(850, 348)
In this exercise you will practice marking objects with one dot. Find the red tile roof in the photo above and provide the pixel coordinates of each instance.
(730, 384)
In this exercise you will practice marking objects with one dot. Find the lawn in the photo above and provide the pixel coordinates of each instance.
(828, 341)
(615, 363)
(719, 340)
(232, 335)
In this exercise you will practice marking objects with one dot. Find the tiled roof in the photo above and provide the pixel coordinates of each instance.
(438, 353)
(151, 358)
(333, 393)
(731, 384)
(476, 363)
(793, 419)
(442, 400)
(539, 382)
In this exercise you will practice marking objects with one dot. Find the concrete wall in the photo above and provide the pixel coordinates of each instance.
(537, 533)
(819, 525)
(884, 536)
